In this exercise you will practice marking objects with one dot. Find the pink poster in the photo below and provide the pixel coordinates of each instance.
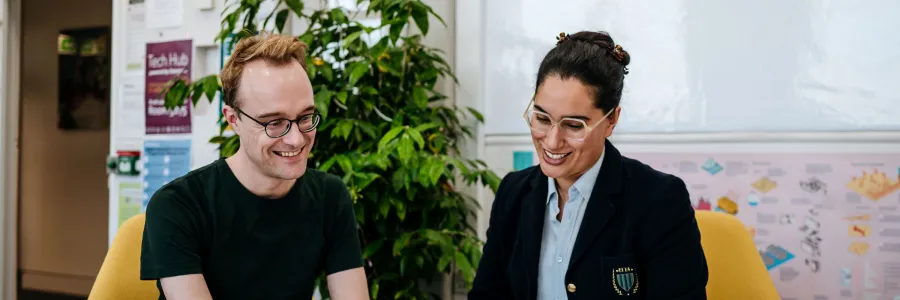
(167, 60)
(826, 225)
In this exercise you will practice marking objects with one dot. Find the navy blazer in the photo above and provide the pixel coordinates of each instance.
(639, 238)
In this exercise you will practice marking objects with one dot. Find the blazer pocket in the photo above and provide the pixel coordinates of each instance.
(621, 276)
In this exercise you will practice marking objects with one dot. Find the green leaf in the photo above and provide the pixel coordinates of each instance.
(280, 19)
(403, 265)
(345, 163)
(295, 5)
(398, 179)
(365, 179)
(196, 93)
(417, 137)
(343, 129)
(420, 97)
(434, 169)
(396, 29)
(444, 262)
(368, 129)
(217, 140)
(405, 148)
(491, 180)
(388, 137)
(374, 291)
(426, 126)
(400, 208)
(350, 38)
(384, 207)
(420, 15)
(338, 16)
(372, 248)
(328, 163)
(401, 243)
(437, 16)
(211, 87)
(462, 262)
(327, 72)
(323, 101)
(342, 97)
(475, 113)
(357, 70)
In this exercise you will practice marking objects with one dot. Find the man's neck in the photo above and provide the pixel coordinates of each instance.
(255, 180)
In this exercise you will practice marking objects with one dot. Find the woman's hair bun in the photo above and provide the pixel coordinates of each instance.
(602, 39)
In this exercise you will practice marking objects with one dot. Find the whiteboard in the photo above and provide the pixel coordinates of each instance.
(711, 65)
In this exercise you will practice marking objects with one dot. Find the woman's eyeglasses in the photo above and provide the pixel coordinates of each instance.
(571, 128)
(279, 127)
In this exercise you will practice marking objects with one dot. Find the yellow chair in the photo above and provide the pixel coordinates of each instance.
(736, 270)
(119, 276)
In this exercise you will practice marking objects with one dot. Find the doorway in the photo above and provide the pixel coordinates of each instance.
(64, 141)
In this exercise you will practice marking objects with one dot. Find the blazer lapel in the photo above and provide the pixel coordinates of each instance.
(532, 224)
(600, 207)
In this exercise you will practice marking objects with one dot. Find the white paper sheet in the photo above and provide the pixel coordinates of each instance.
(135, 38)
(165, 13)
(130, 112)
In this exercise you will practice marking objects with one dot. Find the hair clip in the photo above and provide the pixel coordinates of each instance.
(618, 53)
(561, 38)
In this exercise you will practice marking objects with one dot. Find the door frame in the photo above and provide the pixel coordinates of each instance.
(10, 100)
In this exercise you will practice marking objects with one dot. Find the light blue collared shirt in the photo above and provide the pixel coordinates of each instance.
(559, 236)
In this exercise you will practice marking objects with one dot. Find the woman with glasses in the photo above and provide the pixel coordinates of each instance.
(588, 223)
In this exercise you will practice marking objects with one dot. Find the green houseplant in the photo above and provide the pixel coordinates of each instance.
(386, 131)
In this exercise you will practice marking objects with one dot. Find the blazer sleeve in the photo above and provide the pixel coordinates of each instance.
(673, 259)
(490, 278)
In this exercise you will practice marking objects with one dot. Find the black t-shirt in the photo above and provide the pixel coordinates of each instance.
(246, 246)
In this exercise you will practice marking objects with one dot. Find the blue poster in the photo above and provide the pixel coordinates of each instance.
(164, 161)
(522, 160)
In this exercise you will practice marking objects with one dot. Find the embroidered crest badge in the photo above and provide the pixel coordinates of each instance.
(625, 281)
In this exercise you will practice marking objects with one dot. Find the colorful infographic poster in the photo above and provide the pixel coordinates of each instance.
(826, 225)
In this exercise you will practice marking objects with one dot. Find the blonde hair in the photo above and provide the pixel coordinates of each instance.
(276, 49)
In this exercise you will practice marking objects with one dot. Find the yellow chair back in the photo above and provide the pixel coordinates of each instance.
(119, 276)
(736, 270)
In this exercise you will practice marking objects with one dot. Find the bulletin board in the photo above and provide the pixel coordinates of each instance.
(154, 40)
(712, 66)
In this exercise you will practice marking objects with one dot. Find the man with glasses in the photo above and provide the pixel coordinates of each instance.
(259, 224)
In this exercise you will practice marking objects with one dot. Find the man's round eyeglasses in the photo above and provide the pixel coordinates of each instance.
(279, 127)
(571, 128)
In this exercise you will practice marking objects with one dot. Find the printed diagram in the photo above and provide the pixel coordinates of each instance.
(764, 185)
(811, 242)
(786, 219)
(814, 185)
(809, 224)
(860, 230)
(711, 166)
(813, 264)
(846, 277)
(863, 217)
(703, 204)
(727, 206)
(873, 185)
(753, 200)
(859, 248)
(774, 256)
